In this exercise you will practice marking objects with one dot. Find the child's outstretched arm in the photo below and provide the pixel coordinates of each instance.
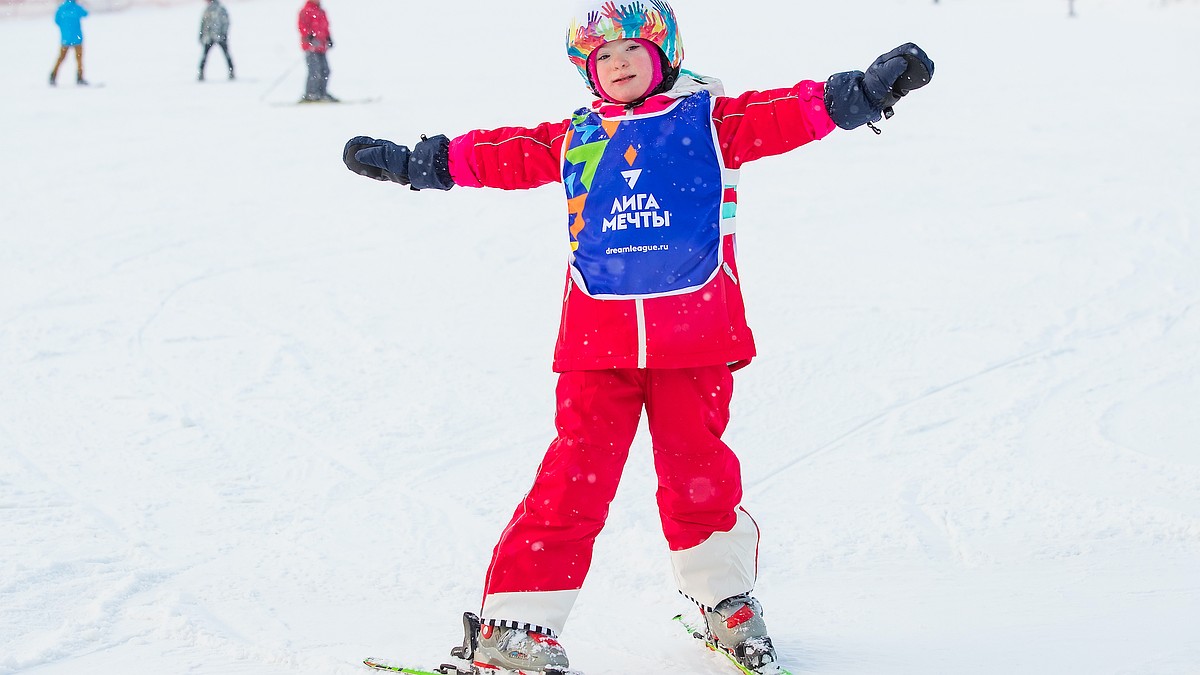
(771, 122)
(765, 123)
(510, 158)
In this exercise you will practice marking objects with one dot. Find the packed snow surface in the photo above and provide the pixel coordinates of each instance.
(260, 415)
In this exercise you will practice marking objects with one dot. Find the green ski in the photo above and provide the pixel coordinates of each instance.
(388, 666)
(769, 669)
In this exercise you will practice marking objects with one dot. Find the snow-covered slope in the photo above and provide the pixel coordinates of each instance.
(260, 415)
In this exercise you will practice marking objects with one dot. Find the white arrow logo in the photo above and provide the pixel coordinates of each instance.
(632, 177)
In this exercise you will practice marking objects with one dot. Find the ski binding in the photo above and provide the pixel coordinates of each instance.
(702, 635)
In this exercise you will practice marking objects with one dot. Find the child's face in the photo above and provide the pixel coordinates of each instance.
(625, 70)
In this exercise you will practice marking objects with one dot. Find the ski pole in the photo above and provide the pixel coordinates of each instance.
(280, 79)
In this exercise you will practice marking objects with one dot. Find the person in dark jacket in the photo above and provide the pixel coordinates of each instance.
(69, 18)
(315, 40)
(214, 30)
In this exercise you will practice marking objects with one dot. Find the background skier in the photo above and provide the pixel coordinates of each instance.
(214, 30)
(315, 40)
(69, 18)
(652, 318)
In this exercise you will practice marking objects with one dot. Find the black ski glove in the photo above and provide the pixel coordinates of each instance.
(429, 164)
(855, 98)
(378, 159)
(425, 167)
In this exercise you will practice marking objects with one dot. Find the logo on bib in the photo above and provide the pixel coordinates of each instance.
(632, 177)
(638, 211)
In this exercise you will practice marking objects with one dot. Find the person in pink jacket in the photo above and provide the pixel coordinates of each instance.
(652, 317)
(316, 41)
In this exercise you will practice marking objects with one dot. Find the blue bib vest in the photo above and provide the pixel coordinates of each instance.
(644, 196)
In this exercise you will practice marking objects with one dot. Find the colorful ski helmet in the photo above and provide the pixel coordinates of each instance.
(596, 22)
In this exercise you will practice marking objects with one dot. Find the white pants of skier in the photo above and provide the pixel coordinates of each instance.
(544, 554)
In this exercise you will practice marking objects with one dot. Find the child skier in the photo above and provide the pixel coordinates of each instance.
(214, 30)
(69, 17)
(652, 313)
(316, 41)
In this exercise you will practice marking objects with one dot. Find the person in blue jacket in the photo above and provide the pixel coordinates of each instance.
(69, 19)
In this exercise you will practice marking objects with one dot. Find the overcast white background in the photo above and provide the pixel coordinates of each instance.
(260, 415)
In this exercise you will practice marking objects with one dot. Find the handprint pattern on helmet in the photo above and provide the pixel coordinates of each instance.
(617, 20)
(631, 17)
(672, 45)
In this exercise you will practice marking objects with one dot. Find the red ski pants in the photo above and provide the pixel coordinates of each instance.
(544, 554)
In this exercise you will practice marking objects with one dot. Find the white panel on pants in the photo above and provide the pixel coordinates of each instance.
(548, 609)
(724, 565)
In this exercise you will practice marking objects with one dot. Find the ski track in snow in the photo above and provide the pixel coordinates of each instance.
(258, 415)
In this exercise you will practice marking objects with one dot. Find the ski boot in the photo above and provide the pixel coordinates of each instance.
(496, 649)
(736, 626)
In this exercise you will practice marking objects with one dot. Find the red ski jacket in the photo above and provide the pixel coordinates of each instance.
(701, 324)
(314, 28)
